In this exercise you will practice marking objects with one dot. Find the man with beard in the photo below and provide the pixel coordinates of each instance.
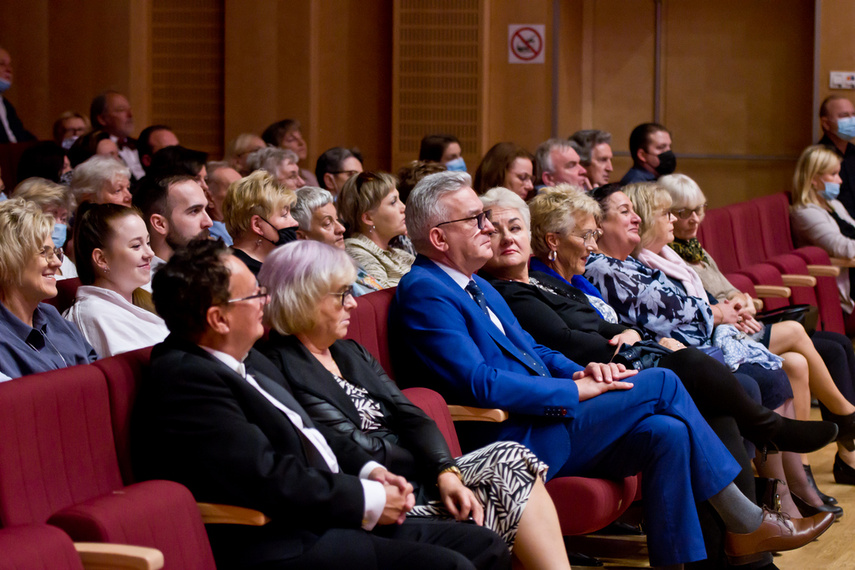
(650, 148)
(174, 210)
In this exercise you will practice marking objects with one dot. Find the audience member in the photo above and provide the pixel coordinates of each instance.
(57, 201)
(11, 128)
(220, 177)
(558, 163)
(370, 207)
(2, 189)
(595, 153)
(68, 127)
(177, 160)
(443, 149)
(336, 166)
(452, 331)
(91, 144)
(111, 111)
(240, 148)
(281, 163)
(342, 386)
(44, 159)
(837, 119)
(174, 212)
(317, 219)
(103, 180)
(211, 405)
(257, 213)
(410, 174)
(287, 134)
(507, 165)
(650, 148)
(151, 140)
(111, 246)
(33, 335)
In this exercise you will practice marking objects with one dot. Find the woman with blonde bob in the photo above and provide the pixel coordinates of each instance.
(370, 206)
(257, 214)
(55, 200)
(33, 335)
(341, 385)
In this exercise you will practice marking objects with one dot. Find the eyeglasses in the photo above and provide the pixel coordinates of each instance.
(344, 294)
(262, 292)
(686, 213)
(589, 235)
(348, 172)
(479, 219)
(48, 252)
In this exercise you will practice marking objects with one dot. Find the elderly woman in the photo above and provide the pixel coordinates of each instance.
(659, 292)
(257, 212)
(318, 220)
(55, 200)
(112, 249)
(829, 356)
(33, 335)
(370, 206)
(280, 162)
(507, 165)
(341, 385)
(103, 180)
(239, 150)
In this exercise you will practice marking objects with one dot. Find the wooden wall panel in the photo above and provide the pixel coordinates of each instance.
(837, 48)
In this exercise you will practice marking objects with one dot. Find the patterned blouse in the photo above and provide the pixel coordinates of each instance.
(368, 408)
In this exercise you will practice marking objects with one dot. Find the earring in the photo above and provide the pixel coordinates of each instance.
(106, 270)
(258, 242)
(372, 228)
(551, 255)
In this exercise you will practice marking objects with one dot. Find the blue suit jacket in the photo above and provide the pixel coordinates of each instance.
(442, 339)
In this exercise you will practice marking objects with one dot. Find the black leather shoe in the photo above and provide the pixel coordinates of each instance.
(801, 437)
(843, 474)
(827, 499)
(808, 510)
(846, 425)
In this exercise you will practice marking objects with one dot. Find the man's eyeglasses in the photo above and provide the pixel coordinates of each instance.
(486, 215)
(590, 235)
(349, 173)
(344, 294)
(262, 292)
(48, 252)
(686, 213)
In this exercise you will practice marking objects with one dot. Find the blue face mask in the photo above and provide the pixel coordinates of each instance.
(59, 234)
(846, 127)
(4, 85)
(831, 191)
(456, 165)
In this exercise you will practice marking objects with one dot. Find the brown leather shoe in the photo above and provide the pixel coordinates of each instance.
(776, 532)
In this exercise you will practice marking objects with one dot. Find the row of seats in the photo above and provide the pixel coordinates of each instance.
(753, 246)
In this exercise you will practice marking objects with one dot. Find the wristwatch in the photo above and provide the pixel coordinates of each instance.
(452, 469)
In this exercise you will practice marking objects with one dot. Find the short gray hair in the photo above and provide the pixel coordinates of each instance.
(298, 275)
(309, 199)
(269, 158)
(215, 165)
(503, 198)
(543, 154)
(93, 174)
(685, 192)
(585, 141)
(425, 208)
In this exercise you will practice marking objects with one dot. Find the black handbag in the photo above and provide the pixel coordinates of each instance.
(642, 355)
(806, 315)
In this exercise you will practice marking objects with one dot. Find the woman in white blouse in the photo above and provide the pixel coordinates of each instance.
(111, 245)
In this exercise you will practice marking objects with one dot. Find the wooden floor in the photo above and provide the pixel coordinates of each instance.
(833, 550)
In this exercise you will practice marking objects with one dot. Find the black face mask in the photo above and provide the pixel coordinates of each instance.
(286, 235)
(667, 163)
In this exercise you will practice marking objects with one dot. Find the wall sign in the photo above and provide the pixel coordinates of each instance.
(526, 43)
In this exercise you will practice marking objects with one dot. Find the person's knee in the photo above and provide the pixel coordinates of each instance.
(796, 367)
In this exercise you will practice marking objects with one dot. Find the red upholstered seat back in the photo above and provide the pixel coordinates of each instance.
(434, 405)
(37, 547)
(773, 220)
(124, 373)
(66, 292)
(716, 235)
(368, 325)
(56, 443)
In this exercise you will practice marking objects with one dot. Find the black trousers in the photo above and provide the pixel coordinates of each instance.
(836, 351)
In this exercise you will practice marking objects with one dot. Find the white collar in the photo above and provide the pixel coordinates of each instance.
(227, 359)
(458, 276)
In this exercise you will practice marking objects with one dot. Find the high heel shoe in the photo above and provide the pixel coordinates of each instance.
(845, 425)
(826, 499)
(843, 473)
(798, 436)
(808, 510)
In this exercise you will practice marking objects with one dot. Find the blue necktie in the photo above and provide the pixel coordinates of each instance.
(473, 289)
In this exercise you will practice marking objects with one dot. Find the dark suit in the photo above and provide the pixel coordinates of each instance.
(199, 423)
(443, 339)
(847, 172)
(15, 124)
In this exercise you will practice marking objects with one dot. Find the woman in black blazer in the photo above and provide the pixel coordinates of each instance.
(341, 385)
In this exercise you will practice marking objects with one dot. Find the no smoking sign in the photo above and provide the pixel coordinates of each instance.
(526, 43)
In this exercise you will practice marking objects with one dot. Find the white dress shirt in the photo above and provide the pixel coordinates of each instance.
(463, 281)
(4, 121)
(131, 158)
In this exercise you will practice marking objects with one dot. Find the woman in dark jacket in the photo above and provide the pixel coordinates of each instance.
(341, 385)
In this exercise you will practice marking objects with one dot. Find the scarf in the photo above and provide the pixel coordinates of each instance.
(690, 250)
(674, 267)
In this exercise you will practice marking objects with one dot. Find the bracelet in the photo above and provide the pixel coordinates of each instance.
(452, 469)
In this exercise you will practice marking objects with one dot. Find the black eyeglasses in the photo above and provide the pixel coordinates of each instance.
(348, 172)
(262, 292)
(344, 294)
(479, 219)
(686, 213)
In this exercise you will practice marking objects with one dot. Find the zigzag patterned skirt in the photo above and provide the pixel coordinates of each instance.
(501, 475)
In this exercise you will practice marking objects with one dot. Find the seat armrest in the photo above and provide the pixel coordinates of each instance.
(843, 262)
(470, 414)
(823, 270)
(772, 291)
(798, 280)
(213, 513)
(105, 556)
(758, 304)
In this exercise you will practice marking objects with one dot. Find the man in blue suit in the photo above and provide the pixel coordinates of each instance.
(451, 331)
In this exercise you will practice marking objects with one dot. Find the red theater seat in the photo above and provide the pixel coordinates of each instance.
(66, 292)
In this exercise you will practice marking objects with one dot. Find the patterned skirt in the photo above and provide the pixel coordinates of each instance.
(501, 475)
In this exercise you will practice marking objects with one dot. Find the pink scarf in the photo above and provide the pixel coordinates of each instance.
(672, 265)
